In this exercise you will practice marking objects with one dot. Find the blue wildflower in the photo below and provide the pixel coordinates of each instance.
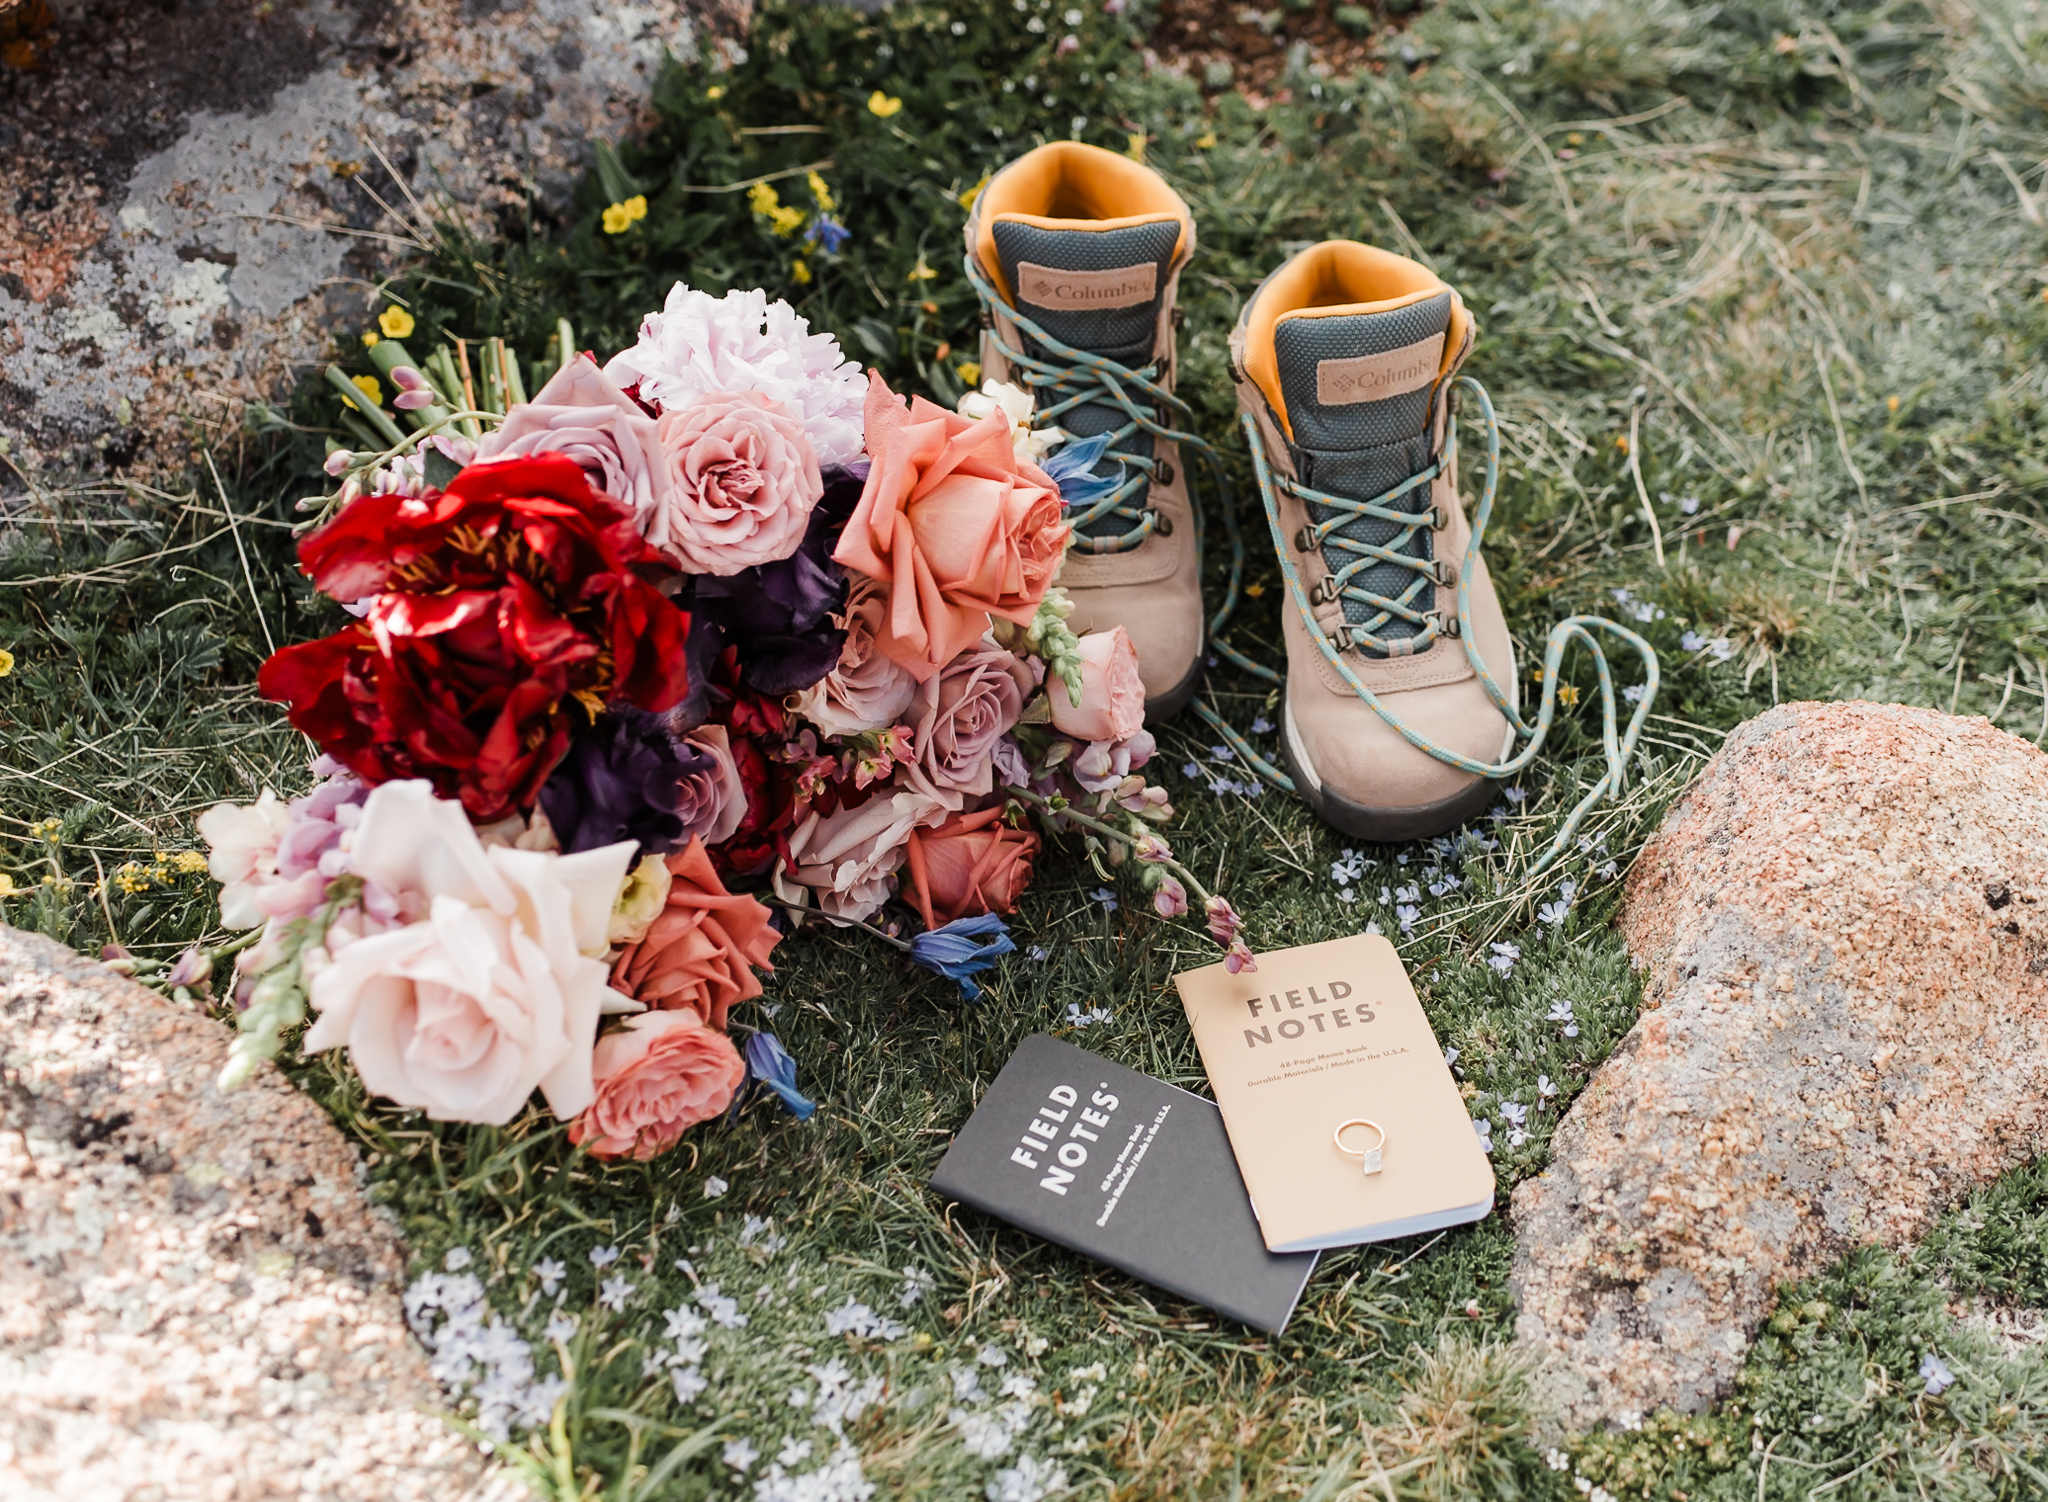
(1935, 1373)
(828, 234)
(951, 950)
(770, 1066)
(1072, 467)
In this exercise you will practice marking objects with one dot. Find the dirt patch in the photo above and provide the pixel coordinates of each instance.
(1229, 44)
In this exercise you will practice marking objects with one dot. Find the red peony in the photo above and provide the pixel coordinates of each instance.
(494, 605)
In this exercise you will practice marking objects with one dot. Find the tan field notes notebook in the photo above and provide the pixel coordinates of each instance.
(1317, 1036)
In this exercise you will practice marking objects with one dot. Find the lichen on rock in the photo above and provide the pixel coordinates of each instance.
(1843, 931)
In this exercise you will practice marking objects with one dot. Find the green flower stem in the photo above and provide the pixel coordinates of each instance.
(811, 912)
(354, 395)
(1065, 810)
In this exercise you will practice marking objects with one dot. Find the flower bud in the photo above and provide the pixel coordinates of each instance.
(338, 462)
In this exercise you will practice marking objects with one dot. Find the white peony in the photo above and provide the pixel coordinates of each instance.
(495, 989)
(1014, 402)
(699, 345)
(244, 838)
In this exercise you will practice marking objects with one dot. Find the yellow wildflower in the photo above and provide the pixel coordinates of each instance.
(189, 862)
(882, 106)
(967, 198)
(46, 829)
(370, 340)
(6, 885)
(395, 322)
(786, 220)
(1254, 591)
(969, 372)
(1574, 139)
(800, 273)
(820, 193)
(1891, 404)
(1567, 694)
(1206, 141)
(1134, 146)
(762, 199)
(369, 386)
(131, 878)
(6, 662)
(1621, 442)
(715, 92)
(620, 217)
(921, 272)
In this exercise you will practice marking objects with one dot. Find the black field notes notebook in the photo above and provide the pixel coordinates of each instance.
(1127, 1170)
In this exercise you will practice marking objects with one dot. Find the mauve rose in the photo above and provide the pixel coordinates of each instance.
(658, 1076)
(969, 865)
(1104, 764)
(740, 481)
(709, 799)
(1112, 706)
(954, 524)
(847, 860)
(867, 689)
(959, 717)
(701, 949)
(583, 414)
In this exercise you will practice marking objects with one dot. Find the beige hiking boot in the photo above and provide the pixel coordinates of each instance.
(1344, 359)
(1077, 253)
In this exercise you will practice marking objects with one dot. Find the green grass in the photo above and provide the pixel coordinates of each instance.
(1793, 249)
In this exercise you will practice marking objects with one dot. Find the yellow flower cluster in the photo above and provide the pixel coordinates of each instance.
(821, 194)
(132, 877)
(620, 217)
(395, 322)
(784, 219)
(46, 829)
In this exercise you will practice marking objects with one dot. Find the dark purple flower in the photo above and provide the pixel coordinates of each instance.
(779, 615)
(618, 782)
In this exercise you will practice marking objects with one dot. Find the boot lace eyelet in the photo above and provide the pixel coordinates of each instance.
(1162, 524)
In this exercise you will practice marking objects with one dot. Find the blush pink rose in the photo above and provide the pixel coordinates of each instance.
(1112, 706)
(867, 689)
(849, 860)
(740, 479)
(954, 524)
(581, 413)
(711, 800)
(658, 1076)
(959, 716)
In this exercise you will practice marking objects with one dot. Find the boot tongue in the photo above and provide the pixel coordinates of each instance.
(1358, 389)
(1098, 290)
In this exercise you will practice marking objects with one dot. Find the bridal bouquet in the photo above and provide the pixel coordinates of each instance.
(639, 673)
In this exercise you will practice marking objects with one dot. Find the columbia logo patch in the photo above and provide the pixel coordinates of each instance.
(1374, 378)
(1119, 287)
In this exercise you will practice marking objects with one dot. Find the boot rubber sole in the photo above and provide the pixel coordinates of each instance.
(1177, 698)
(1383, 826)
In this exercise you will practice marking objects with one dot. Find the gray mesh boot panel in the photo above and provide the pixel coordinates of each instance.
(1122, 334)
(1360, 450)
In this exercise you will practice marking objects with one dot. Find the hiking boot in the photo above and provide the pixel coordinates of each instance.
(1344, 359)
(1087, 246)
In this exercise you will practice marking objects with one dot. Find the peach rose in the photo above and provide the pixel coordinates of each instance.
(701, 949)
(954, 524)
(740, 481)
(1112, 706)
(866, 690)
(971, 864)
(658, 1076)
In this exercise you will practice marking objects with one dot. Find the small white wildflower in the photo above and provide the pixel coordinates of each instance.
(1347, 894)
(1634, 692)
(794, 1451)
(603, 1256)
(560, 1328)
(993, 1356)
(550, 1272)
(1513, 1112)
(457, 1259)
(1554, 913)
(1935, 1373)
(916, 1284)
(1556, 1459)
(1544, 1087)
(614, 1293)
(1450, 1056)
(1029, 1480)
(1406, 916)
(714, 1187)
(740, 1453)
(1504, 956)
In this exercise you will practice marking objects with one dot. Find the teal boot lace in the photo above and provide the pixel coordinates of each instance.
(1074, 377)
(1619, 747)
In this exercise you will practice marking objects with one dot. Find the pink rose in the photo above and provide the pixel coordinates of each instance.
(868, 689)
(849, 860)
(740, 481)
(582, 414)
(959, 717)
(659, 1075)
(1112, 706)
(710, 799)
(954, 524)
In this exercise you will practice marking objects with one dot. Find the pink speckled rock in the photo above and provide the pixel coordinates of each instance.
(196, 1298)
(1844, 932)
